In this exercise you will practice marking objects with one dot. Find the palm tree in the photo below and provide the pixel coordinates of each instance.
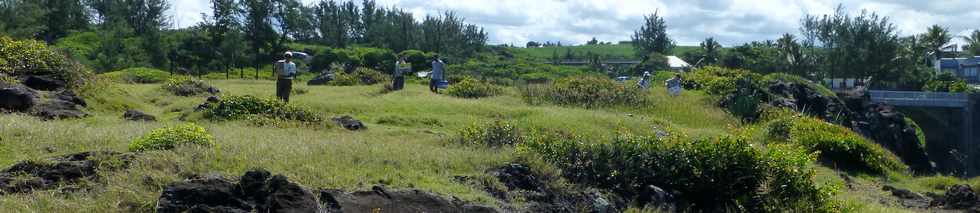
(936, 38)
(972, 43)
(711, 50)
(792, 52)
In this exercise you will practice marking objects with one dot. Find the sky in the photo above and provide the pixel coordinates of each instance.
(731, 22)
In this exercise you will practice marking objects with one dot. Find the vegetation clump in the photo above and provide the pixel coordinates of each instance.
(946, 82)
(261, 110)
(31, 57)
(498, 133)
(360, 76)
(835, 144)
(716, 80)
(185, 86)
(170, 137)
(587, 92)
(140, 75)
(472, 88)
(719, 174)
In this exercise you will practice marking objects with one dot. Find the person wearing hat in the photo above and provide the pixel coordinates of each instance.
(644, 82)
(286, 71)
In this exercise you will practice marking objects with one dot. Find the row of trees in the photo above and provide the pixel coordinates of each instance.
(136, 32)
(839, 45)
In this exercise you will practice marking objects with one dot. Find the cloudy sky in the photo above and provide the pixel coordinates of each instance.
(731, 22)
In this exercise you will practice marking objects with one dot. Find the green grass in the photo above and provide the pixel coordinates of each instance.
(615, 51)
(408, 143)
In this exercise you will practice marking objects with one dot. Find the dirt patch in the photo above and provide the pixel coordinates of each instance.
(68, 170)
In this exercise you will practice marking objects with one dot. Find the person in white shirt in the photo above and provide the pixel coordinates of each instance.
(401, 67)
(674, 85)
(644, 82)
(286, 71)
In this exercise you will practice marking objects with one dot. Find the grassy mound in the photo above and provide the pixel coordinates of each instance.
(185, 86)
(139, 75)
(587, 92)
(170, 137)
(30, 57)
(837, 145)
(472, 88)
(719, 174)
(494, 134)
(261, 110)
(716, 80)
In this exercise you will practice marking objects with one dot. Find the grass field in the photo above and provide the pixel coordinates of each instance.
(614, 51)
(407, 143)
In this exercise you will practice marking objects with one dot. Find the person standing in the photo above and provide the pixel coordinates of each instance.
(437, 75)
(286, 71)
(674, 85)
(644, 82)
(401, 67)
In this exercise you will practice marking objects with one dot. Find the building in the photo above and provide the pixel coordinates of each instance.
(677, 64)
(966, 68)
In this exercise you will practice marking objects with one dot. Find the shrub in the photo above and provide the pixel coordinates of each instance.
(836, 144)
(140, 75)
(30, 57)
(494, 134)
(185, 86)
(712, 174)
(258, 109)
(586, 91)
(472, 88)
(419, 60)
(170, 137)
(716, 80)
(946, 82)
(360, 76)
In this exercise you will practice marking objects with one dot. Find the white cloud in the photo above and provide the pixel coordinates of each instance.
(689, 21)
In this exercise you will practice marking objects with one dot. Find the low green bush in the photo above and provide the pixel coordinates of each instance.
(946, 82)
(185, 86)
(472, 88)
(717, 80)
(261, 110)
(835, 144)
(170, 137)
(494, 134)
(360, 76)
(586, 91)
(722, 174)
(139, 75)
(31, 57)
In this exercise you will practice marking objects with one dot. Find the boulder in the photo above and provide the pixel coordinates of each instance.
(136, 115)
(17, 99)
(959, 197)
(653, 196)
(383, 200)
(256, 191)
(45, 83)
(886, 126)
(349, 123)
(321, 79)
(518, 176)
(27, 176)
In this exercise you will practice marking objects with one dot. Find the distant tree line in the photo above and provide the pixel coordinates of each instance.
(838, 45)
(113, 34)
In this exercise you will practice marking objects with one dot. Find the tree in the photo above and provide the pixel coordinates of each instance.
(22, 18)
(936, 38)
(711, 50)
(62, 17)
(594, 41)
(533, 44)
(792, 55)
(652, 37)
(972, 43)
(258, 30)
(862, 46)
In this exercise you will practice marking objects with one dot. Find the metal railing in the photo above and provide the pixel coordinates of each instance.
(920, 98)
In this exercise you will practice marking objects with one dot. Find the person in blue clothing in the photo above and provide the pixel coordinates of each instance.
(437, 75)
(286, 71)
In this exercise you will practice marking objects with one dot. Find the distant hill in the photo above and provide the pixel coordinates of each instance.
(613, 51)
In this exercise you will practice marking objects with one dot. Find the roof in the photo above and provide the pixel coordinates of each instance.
(675, 62)
(957, 62)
